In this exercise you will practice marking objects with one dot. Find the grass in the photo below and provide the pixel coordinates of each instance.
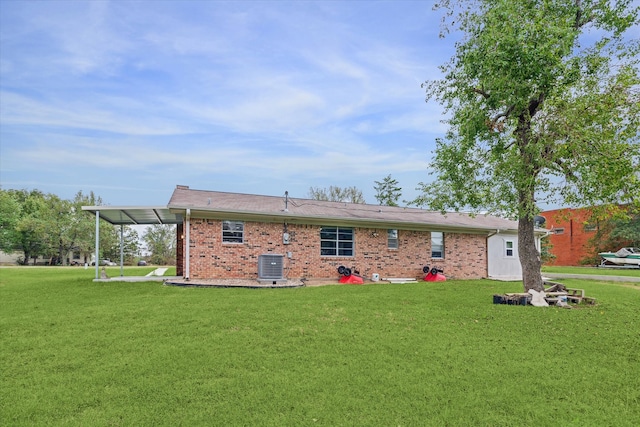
(600, 271)
(74, 352)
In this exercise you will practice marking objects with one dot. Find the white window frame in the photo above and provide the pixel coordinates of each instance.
(509, 245)
(437, 242)
(337, 241)
(232, 232)
(392, 238)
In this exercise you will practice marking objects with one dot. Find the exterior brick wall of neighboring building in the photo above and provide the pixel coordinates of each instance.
(570, 234)
(465, 254)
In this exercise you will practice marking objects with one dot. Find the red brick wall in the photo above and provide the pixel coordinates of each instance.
(465, 254)
(570, 246)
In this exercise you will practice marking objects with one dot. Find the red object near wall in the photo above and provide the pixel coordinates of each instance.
(433, 274)
(352, 280)
(438, 277)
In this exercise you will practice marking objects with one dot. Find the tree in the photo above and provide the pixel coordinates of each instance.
(39, 224)
(30, 233)
(546, 250)
(627, 230)
(161, 242)
(544, 106)
(57, 219)
(130, 244)
(337, 194)
(64, 226)
(387, 191)
(9, 216)
(84, 226)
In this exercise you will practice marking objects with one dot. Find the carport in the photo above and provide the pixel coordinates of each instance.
(129, 215)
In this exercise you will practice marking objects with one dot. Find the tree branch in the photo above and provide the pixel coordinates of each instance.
(481, 92)
(534, 104)
(566, 170)
(580, 21)
(504, 114)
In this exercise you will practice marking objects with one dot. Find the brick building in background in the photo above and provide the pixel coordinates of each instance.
(571, 230)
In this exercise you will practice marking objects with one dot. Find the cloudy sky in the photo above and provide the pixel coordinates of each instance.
(129, 98)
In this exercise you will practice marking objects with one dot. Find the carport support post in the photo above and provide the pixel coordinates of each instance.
(97, 243)
(187, 244)
(121, 250)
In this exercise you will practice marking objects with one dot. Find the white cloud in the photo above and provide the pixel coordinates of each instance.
(107, 114)
(307, 92)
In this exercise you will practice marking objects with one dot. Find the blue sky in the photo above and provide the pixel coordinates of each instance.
(129, 98)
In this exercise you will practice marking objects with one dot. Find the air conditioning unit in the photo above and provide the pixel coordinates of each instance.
(270, 267)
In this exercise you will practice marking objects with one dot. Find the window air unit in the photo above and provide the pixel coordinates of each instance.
(270, 267)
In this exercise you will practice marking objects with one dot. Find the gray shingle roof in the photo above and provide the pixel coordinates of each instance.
(235, 206)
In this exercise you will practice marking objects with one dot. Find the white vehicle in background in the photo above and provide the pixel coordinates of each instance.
(627, 257)
(105, 261)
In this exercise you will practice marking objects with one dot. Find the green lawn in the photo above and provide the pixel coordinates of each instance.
(74, 352)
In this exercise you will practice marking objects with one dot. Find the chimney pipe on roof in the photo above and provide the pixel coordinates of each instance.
(286, 201)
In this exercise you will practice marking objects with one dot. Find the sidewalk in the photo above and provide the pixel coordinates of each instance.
(590, 277)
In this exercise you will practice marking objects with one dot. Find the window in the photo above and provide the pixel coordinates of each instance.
(437, 244)
(558, 231)
(508, 248)
(392, 239)
(336, 241)
(590, 226)
(232, 231)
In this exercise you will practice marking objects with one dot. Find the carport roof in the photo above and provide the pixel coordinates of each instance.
(135, 215)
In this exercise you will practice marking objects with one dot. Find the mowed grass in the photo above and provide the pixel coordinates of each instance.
(74, 352)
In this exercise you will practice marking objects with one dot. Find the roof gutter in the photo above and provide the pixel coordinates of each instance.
(493, 233)
(222, 214)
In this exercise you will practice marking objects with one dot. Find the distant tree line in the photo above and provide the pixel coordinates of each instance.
(388, 191)
(39, 225)
(337, 194)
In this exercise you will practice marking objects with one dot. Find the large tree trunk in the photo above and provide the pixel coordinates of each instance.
(61, 255)
(529, 255)
(530, 260)
(27, 256)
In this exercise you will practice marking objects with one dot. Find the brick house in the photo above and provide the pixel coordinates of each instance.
(229, 232)
(229, 235)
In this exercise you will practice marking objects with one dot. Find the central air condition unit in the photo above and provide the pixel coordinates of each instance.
(271, 267)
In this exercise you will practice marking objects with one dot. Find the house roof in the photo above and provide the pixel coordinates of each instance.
(251, 207)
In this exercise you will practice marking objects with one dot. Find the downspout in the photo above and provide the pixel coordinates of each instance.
(539, 240)
(486, 247)
(187, 243)
(97, 243)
